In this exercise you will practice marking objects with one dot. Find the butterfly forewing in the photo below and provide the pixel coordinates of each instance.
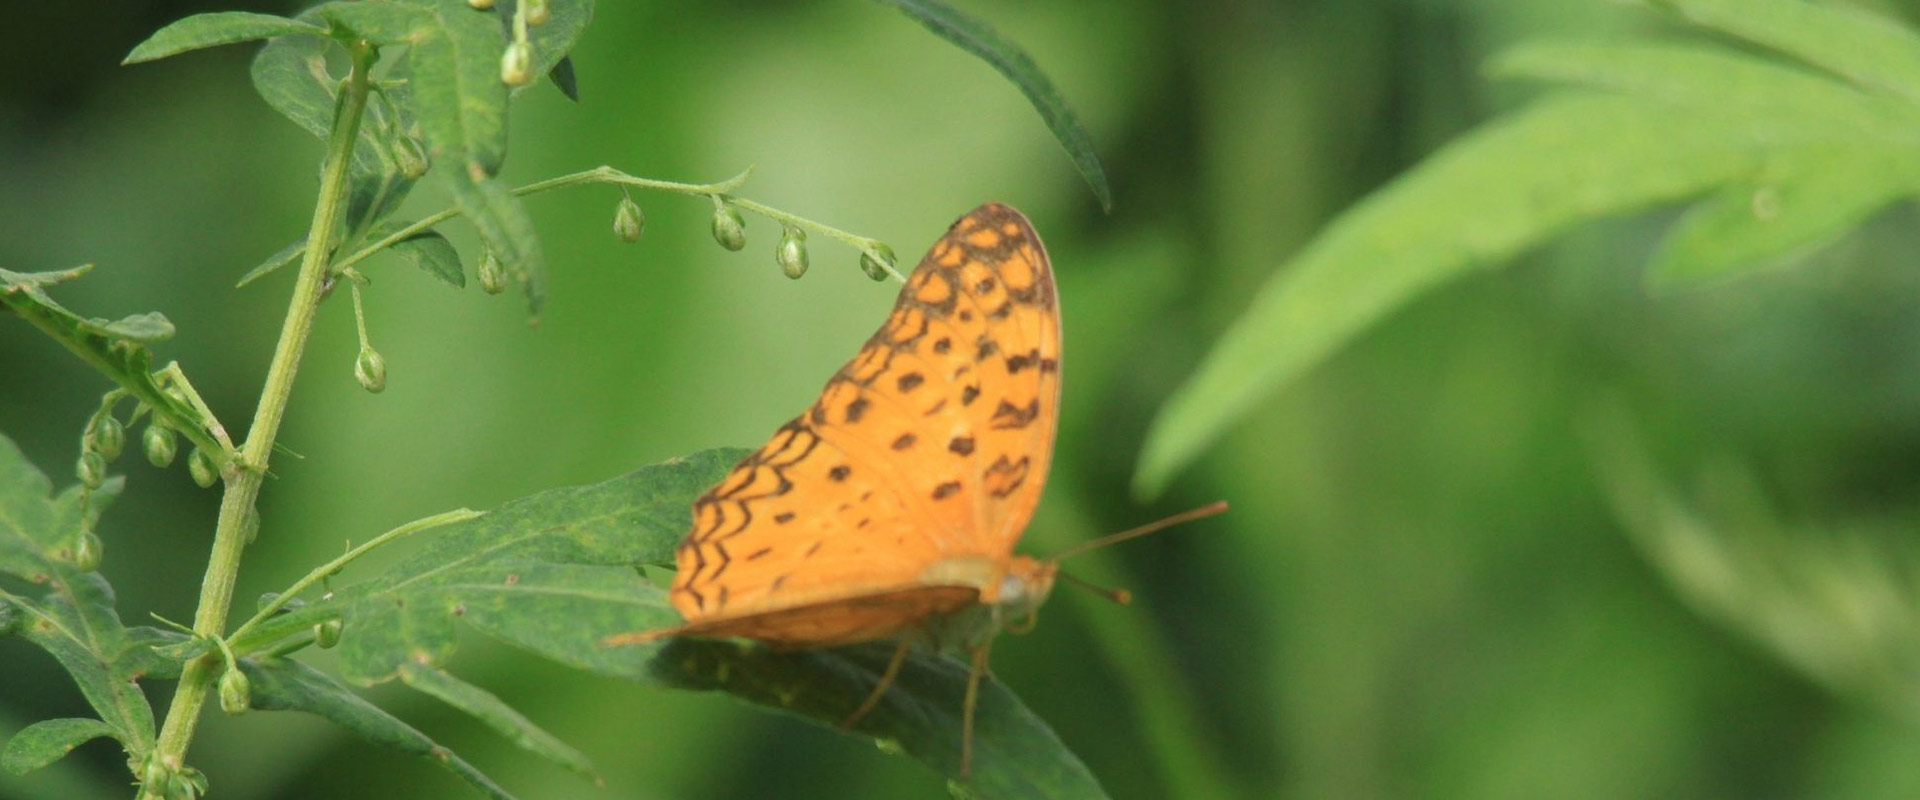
(932, 443)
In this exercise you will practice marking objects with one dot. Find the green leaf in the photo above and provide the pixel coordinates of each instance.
(280, 258)
(209, 30)
(287, 685)
(378, 21)
(1867, 49)
(291, 74)
(1478, 202)
(117, 348)
(567, 555)
(45, 742)
(975, 36)
(563, 79)
(499, 716)
(72, 617)
(1015, 754)
(1802, 198)
(428, 250)
(461, 104)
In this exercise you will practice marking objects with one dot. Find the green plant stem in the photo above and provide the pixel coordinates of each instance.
(243, 479)
(321, 572)
(606, 174)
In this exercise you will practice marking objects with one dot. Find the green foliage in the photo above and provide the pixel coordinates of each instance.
(68, 612)
(212, 30)
(975, 36)
(1786, 157)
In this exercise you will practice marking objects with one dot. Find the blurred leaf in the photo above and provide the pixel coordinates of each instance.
(73, 619)
(499, 716)
(1802, 198)
(116, 348)
(280, 258)
(563, 78)
(291, 75)
(1476, 203)
(47, 741)
(1832, 602)
(1867, 49)
(975, 36)
(428, 250)
(287, 685)
(218, 28)
(554, 573)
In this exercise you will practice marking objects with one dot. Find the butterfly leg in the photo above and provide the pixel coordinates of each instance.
(976, 668)
(880, 689)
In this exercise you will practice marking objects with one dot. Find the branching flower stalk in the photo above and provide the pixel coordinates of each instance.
(244, 476)
(721, 192)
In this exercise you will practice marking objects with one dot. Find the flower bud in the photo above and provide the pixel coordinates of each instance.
(409, 157)
(88, 551)
(877, 270)
(200, 465)
(539, 12)
(493, 277)
(371, 370)
(91, 469)
(792, 252)
(107, 437)
(154, 774)
(480, 5)
(236, 692)
(729, 229)
(327, 634)
(628, 222)
(187, 784)
(516, 65)
(159, 443)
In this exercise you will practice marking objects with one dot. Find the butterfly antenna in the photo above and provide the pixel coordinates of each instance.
(1202, 512)
(1119, 596)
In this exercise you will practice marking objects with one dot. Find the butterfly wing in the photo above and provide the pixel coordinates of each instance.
(933, 443)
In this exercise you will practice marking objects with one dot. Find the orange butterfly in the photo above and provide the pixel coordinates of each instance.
(891, 507)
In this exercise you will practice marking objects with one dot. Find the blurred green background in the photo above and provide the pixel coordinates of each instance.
(1422, 591)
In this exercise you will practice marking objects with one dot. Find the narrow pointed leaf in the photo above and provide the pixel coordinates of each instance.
(428, 250)
(502, 718)
(47, 741)
(975, 36)
(287, 685)
(280, 258)
(218, 28)
(1477, 203)
(1868, 49)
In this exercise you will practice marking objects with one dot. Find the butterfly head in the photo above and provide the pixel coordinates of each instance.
(1025, 586)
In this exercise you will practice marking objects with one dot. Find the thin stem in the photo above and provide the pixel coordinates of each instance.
(243, 478)
(321, 572)
(178, 377)
(721, 192)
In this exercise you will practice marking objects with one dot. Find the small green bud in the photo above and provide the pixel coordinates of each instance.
(236, 692)
(187, 784)
(200, 465)
(159, 443)
(154, 774)
(91, 469)
(792, 252)
(493, 277)
(327, 634)
(371, 370)
(538, 12)
(516, 65)
(877, 270)
(88, 551)
(108, 436)
(408, 155)
(628, 222)
(481, 5)
(729, 229)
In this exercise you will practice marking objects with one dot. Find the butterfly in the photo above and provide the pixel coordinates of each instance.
(891, 507)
